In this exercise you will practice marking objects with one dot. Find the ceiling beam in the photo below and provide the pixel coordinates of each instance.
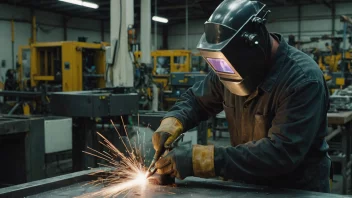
(327, 4)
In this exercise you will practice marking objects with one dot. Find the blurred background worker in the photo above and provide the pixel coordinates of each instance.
(275, 99)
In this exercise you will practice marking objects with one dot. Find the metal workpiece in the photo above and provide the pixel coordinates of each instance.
(40, 186)
(72, 185)
(12, 125)
(93, 104)
(149, 119)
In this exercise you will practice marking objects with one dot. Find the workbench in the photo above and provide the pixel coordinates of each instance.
(342, 122)
(71, 185)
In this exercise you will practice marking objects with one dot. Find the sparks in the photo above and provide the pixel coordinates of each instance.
(123, 176)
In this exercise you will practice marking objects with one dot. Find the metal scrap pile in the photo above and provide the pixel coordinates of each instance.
(341, 100)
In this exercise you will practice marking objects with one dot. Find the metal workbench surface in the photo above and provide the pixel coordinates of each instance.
(73, 185)
(193, 187)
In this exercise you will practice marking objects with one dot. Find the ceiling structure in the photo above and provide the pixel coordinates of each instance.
(174, 10)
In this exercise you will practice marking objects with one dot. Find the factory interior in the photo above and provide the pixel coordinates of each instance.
(86, 85)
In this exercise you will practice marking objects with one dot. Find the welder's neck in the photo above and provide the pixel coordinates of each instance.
(274, 46)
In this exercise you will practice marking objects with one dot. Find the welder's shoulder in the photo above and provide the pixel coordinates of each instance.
(303, 68)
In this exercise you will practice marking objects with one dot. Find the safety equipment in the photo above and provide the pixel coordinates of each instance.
(169, 130)
(185, 160)
(237, 45)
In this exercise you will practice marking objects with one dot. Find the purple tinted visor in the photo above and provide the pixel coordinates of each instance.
(220, 65)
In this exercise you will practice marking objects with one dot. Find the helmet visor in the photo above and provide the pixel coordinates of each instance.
(220, 65)
(217, 33)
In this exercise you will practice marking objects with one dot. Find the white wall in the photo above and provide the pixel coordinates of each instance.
(316, 21)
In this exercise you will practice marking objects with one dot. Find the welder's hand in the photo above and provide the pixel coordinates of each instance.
(185, 160)
(177, 163)
(169, 129)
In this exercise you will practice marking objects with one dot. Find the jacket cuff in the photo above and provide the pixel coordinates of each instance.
(203, 161)
(171, 125)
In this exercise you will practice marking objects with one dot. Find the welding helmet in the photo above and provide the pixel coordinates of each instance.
(237, 45)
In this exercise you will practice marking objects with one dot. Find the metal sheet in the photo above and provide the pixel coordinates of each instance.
(12, 126)
(71, 185)
(194, 187)
(58, 134)
(150, 119)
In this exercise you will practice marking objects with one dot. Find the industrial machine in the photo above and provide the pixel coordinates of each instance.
(53, 67)
(179, 83)
(63, 66)
(166, 62)
(173, 72)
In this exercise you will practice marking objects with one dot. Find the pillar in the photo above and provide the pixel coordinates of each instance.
(146, 24)
(123, 67)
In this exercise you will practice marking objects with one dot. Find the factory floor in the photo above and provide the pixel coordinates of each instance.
(225, 141)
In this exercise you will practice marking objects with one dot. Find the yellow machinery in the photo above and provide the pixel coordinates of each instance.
(166, 62)
(65, 66)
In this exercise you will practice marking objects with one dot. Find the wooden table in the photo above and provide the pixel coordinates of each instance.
(343, 121)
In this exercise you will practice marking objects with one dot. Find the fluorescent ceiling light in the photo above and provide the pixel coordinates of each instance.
(160, 19)
(82, 3)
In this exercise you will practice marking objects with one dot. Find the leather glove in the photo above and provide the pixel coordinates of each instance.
(184, 161)
(169, 129)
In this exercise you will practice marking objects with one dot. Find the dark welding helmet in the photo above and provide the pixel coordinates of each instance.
(237, 45)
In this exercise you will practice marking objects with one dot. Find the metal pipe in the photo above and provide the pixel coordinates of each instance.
(299, 21)
(13, 43)
(102, 30)
(333, 17)
(155, 26)
(14, 108)
(155, 101)
(186, 25)
(34, 29)
(344, 42)
(65, 28)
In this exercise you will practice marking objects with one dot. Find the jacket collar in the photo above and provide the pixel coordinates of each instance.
(277, 64)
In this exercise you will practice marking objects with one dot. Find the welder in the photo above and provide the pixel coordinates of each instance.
(275, 100)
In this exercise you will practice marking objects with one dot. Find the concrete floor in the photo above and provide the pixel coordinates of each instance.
(225, 141)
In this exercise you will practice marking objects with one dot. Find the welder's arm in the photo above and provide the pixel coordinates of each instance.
(203, 100)
(299, 116)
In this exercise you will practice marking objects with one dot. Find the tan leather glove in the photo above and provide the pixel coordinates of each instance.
(184, 161)
(169, 129)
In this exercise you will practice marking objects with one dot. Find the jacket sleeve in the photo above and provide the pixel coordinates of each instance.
(299, 116)
(201, 101)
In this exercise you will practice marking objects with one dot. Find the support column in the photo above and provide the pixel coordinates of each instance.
(33, 27)
(121, 16)
(186, 47)
(165, 37)
(146, 24)
(299, 21)
(333, 18)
